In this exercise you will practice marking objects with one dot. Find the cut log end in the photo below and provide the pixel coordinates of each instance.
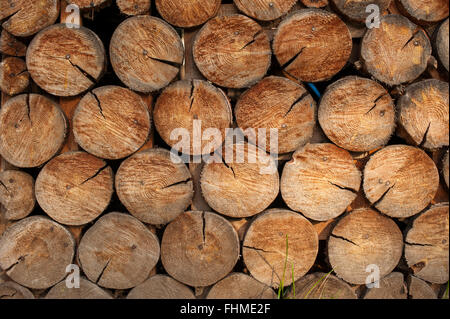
(86, 290)
(265, 10)
(390, 287)
(134, 7)
(11, 290)
(445, 168)
(187, 14)
(315, 3)
(240, 286)
(10, 45)
(442, 43)
(161, 287)
(84, 4)
(17, 194)
(14, 77)
(419, 289)
(357, 10)
(424, 12)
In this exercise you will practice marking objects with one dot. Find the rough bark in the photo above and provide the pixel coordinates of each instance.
(240, 286)
(14, 77)
(187, 14)
(17, 194)
(161, 287)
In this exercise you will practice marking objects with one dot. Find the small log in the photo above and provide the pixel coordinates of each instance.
(25, 18)
(74, 188)
(363, 238)
(426, 249)
(321, 286)
(199, 248)
(118, 252)
(315, 3)
(279, 103)
(17, 194)
(134, 7)
(265, 10)
(183, 102)
(198, 201)
(240, 286)
(87, 290)
(10, 45)
(400, 180)
(424, 12)
(320, 181)
(390, 287)
(155, 186)
(442, 40)
(357, 114)
(149, 60)
(84, 4)
(161, 287)
(396, 52)
(35, 252)
(232, 51)
(356, 10)
(239, 188)
(11, 290)
(14, 77)
(445, 169)
(271, 236)
(424, 115)
(64, 61)
(187, 14)
(32, 130)
(111, 122)
(419, 289)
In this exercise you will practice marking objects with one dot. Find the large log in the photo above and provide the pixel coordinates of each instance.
(134, 7)
(118, 252)
(232, 51)
(240, 286)
(396, 52)
(74, 188)
(184, 102)
(400, 180)
(86, 290)
(66, 61)
(11, 290)
(151, 58)
(361, 239)
(161, 287)
(25, 18)
(312, 45)
(424, 12)
(419, 289)
(442, 43)
(35, 252)
(240, 188)
(14, 77)
(279, 247)
(426, 249)
(17, 194)
(357, 114)
(32, 130)
(265, 10)
(390, 287)
(111, 122)
(154, 187)
(356, 9)
(187, 14)
(10, 45)
(199, 248)
(278, 103)
(320, 181)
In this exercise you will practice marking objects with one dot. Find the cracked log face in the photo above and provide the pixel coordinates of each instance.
(312, 45)
(118, 252)
(111, 122)
(232, 51)
(155, 186)
(11, 290)
(161, 287)
(187, 14)
(424, 12)
(357, 114)
(35, 252)
(321, 286)
(134, 7)
(151, 58)
(199, 248)
(74, 188)
(241, 184)
(184, 102)
(83, 4)
(10, 45)
(24, 18)
(265, 256)
(363, 238)
(396, 52)
(17, 194)
(314, 3)
(320, 181)
(442, 43)
(66, 62)
(445, 168)
(391, 287)
(14, 77)
(419, 289)
(400, 180)
(241, 286)
(277, 103)
(32, 130)
(265, 10)
(426, 245)
(87, 290)
(424, 115)
(356, 9)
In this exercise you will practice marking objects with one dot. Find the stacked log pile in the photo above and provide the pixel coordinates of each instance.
(94, 175)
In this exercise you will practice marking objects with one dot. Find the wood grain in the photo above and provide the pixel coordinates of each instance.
(187, 14)
(134, 7)
(419, 289)
(390, 287)
(11, 45)
(265, 10)
(445, 168)
(240, 286)
(442, 43)
(314, 3)
(356, 9)
(424, 12)
(11, 290)
(161, 287)
(87, 290)
(16, 194)
(83, 4)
